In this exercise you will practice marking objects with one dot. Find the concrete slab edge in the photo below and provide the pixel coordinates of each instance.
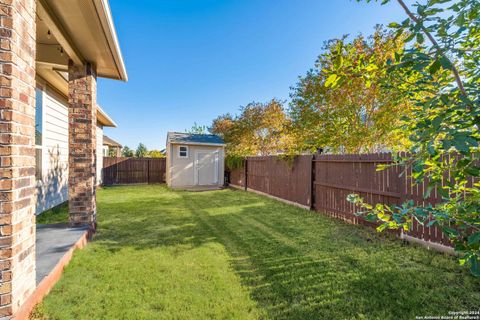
(49, 281)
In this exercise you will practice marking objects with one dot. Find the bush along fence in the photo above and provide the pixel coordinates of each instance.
(323, 182)
(121, 170)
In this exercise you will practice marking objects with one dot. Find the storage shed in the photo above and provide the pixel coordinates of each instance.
(195, 160)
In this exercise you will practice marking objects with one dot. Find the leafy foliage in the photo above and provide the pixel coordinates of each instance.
(443, 59)
(155, 154)
(197, 129)
(233, 162)
(260, 129)
(112, 152)
(348, 110)
(141, 151)
(127, 152)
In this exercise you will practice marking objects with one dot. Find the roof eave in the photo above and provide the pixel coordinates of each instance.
(198, 143)
(104, 118)
(105, 15)
(112, 144)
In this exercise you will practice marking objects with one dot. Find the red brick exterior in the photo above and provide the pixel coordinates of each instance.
(82, 144)
(17, 153)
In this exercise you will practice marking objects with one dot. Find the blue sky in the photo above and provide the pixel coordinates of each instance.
(192, 60)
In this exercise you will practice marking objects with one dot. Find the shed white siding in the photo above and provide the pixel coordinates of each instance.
(181, 171)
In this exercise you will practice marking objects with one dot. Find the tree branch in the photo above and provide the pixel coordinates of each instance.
(456, 74)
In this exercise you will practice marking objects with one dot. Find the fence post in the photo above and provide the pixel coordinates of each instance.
(312, 184)
(400, 183)
(148, 171)
(245, 173)
(116, 172)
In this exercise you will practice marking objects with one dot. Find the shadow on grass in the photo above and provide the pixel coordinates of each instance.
(295, 263)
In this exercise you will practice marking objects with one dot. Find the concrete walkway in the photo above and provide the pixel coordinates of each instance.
(53, 242)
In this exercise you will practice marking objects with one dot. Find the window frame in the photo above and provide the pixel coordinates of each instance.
(180, 152)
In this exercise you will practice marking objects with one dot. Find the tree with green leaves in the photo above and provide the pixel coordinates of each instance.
(155, 154)
(141, 151)
(350, 114)
(197, 129)
(127, 152)
(112, 153)
(259, 129)
(441, 69)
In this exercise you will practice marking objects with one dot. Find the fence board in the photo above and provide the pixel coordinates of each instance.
(337, 176)
(237, 176)
(279, 178)
(121, 170)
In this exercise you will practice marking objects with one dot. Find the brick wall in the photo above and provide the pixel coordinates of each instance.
(82, 144)
(17, 153)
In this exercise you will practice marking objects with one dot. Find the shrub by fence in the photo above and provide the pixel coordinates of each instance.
(121, 170)
(323, 182)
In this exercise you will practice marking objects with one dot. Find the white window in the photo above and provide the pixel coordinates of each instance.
(183, 152)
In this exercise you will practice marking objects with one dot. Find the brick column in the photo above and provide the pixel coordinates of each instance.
(17, 153)
(82, 160)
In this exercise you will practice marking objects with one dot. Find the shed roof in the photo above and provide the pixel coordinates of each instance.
(192, 138)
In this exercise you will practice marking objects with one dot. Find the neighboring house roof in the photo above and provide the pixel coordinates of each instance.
(190, 138)
(107, 141)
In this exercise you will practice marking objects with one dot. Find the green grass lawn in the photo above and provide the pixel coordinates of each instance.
(58, 214)
(161, 254)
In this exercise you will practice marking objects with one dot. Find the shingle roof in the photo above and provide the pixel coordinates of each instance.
(110, 142)
(180, 137)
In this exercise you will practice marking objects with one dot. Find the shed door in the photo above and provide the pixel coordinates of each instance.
(206, 168)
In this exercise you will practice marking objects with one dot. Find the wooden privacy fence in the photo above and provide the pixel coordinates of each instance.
(121, 170)
(323, 182)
